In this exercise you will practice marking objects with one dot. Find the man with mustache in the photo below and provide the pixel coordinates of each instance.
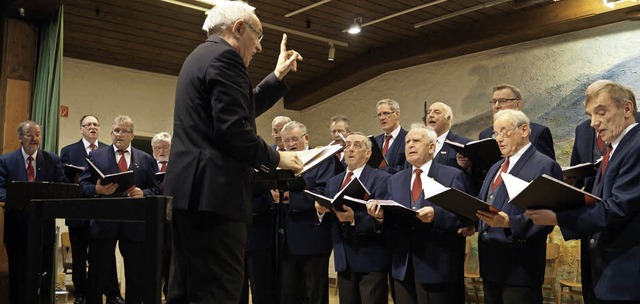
(28, 163)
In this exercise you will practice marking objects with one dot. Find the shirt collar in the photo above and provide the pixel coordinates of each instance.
(115, 149)
(394, 133)
(513, 159)
(25, 155)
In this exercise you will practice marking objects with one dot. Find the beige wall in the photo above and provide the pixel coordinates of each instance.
(107, 91)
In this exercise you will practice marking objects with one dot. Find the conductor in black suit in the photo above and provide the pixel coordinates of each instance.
(76, 154)
(215, 149)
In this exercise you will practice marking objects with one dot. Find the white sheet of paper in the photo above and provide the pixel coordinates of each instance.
(514, 185)
(431, 187)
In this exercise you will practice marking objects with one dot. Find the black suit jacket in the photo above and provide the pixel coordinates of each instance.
(144, 168)
(76, 154)
(215, 145)
(540, 138)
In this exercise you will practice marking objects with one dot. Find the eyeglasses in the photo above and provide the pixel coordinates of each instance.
(504, 133)
(384, 114)
(260, 34)
(502, 101)
(121, 132)
(293, 139)
(91, 124)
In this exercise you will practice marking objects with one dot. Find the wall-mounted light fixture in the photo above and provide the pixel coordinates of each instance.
(355, 27)
(332, 52)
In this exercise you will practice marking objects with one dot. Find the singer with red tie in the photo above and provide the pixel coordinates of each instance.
(161, 146)
(427, 249)
(392, 140)
(119, 157)
(76, 154)
(610, 227)
(28, 163)
(511, 249)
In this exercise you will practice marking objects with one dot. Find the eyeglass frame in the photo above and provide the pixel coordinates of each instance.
(121, 132)
(294, 139)
(505, 133)
(260, 35)
(91, 124)
(385, 114)
(502, 101)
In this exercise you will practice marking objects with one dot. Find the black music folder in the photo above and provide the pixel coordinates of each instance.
(454, 200)
(376, 160)
(72, 172)
(125, 180)
(581, 170)
(19, 193)
(482, 153)
(160, 177)
(545, 192)
(354, 189)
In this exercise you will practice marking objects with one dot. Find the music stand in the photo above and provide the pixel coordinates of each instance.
(19, 195)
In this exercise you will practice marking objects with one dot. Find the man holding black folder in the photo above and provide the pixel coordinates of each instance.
(427, 247)
(511, 249)
(76, 154)
(29, 163)
(610, 226)
(307, 240)
(120, 157)
(361, 258)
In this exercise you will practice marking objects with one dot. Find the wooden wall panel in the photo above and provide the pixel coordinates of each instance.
(18, 109)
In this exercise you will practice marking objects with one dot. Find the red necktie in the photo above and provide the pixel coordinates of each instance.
(122, 163)
(385, 147)
(605, 159)
(416, 188)
(163, 167)
(347, 179)
(600, 143)
(31, 173)
(498, 180)
(92, 147)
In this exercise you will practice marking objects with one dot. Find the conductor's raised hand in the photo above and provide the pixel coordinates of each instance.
(290, 161)
(287, 60)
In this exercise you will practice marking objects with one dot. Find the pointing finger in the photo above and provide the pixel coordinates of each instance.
(283, 44)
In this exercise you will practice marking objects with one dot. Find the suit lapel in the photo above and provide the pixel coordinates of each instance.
(405, 192)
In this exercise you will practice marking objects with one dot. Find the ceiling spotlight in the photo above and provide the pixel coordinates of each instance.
(332, 52)
(355, 27)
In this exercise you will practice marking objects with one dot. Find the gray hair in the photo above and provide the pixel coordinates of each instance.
(225, 13)
(280, 118)
(367, 141)
(161, 137)
(516, 117)
(394, 105)
(447, 111)
(618, 93)
(122, 120)
(343, 118)
(26, 125)
(290, 126)
(513, 89)
(426, 132)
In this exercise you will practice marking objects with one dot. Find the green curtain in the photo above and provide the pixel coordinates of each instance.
(46, 101)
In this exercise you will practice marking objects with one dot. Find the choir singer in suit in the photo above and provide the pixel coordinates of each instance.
(427, 250)
(392, 140)
(119, 157)
(214, 152)
(611, 225)
(360, 256)
(29, 163)
(76, 154)
(511, 249)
